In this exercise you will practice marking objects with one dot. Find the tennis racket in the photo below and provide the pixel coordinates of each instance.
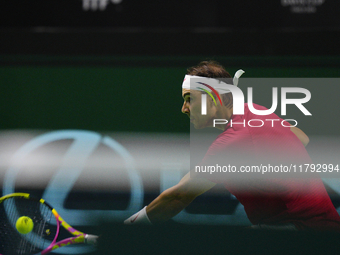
(42, 239)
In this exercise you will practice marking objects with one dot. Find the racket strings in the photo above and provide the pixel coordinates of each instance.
(45, 227)
(12, 242)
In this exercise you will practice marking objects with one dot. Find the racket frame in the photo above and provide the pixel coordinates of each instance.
(78, 236)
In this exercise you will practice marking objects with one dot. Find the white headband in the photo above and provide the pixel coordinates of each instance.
(216, 84)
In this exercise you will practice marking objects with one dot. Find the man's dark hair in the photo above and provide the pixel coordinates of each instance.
(212, 69)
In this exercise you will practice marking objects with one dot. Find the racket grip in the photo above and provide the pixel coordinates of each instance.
(91, 239)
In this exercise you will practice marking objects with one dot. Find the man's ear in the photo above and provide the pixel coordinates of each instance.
(211, 101)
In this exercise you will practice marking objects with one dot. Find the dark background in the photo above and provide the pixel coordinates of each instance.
(69, 64)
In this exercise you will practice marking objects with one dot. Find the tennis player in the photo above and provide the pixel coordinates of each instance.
(289, 203)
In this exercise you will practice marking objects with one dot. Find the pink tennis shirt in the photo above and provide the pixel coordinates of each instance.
(301, 200)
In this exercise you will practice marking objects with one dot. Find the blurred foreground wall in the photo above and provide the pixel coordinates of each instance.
(90, 107)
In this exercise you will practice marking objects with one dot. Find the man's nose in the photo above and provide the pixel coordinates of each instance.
(185, 108)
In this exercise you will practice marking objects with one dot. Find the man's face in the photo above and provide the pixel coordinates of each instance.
(192, 108)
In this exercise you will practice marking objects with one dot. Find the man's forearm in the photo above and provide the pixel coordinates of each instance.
(171, 201)
(166, 206)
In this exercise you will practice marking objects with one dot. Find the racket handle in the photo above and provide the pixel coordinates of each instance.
(91, 239)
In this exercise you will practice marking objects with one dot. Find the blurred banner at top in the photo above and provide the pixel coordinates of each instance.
(246, 14)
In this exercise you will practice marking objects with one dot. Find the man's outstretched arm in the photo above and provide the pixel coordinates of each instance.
(173, 200)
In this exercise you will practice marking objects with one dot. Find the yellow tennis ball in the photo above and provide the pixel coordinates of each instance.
(24, 225)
